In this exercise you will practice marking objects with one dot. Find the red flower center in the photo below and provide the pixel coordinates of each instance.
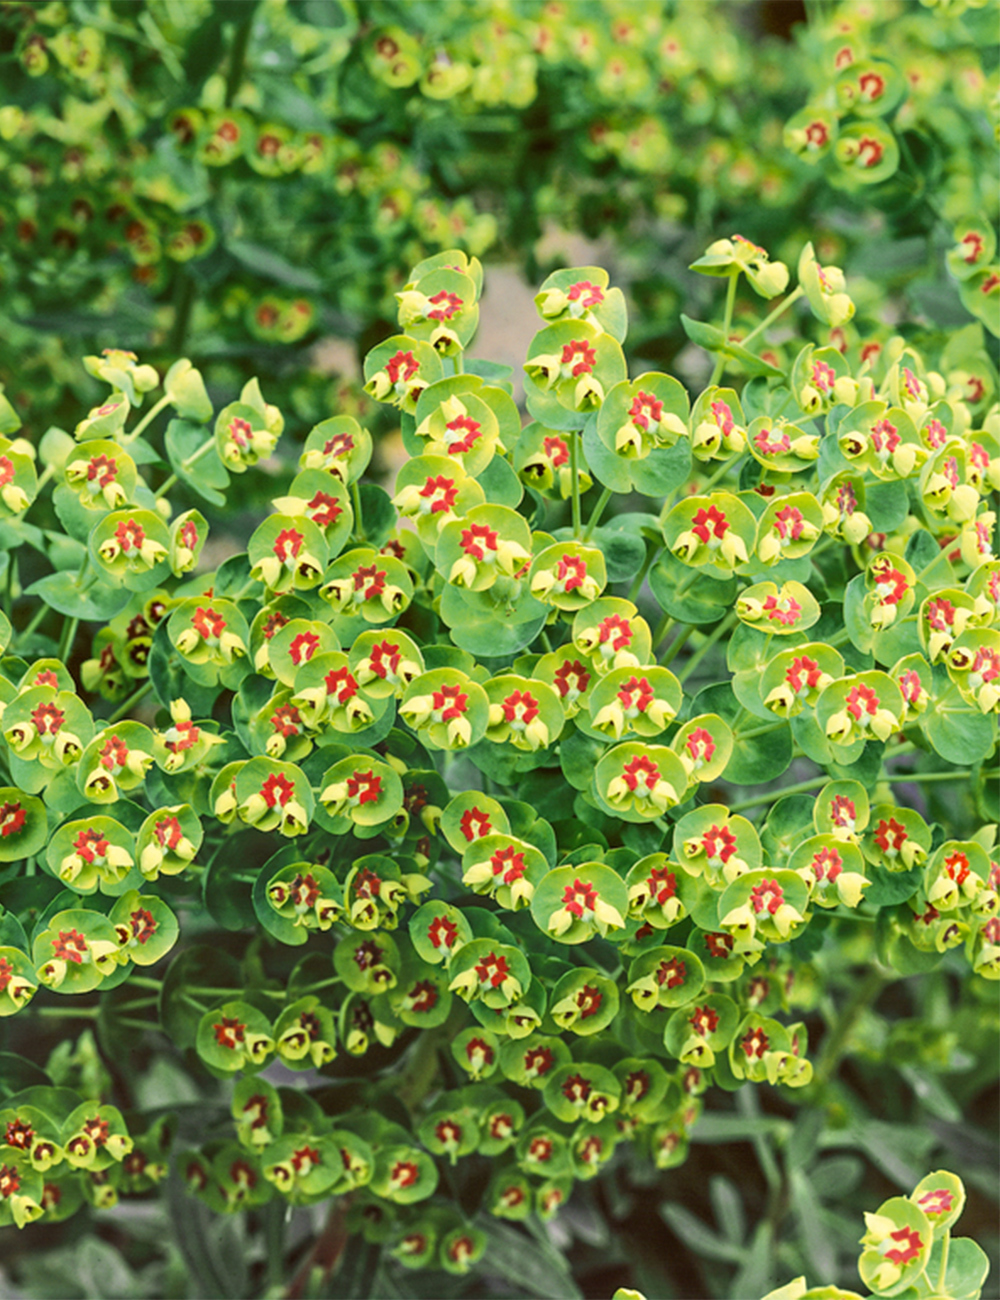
(640, 771)
(401, 367)
(768, 896)
(366, 787)
(704, 1021)
(492, 970)
(477, 539)
(585, 293)
(277, 790)
(442, 933)
(556, 450)
(340, 684)
(579, 356)
(130, 535)
(229, 1032)
(672, 973)
(645, 410)
(708, 523)
(449, 702)
(12, 818)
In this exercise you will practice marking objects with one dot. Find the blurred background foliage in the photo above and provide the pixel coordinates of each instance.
(246, 184)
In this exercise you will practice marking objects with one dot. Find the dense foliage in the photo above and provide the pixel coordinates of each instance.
(462, 805)
(235, 182)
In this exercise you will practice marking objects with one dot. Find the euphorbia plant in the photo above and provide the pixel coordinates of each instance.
(487, 772)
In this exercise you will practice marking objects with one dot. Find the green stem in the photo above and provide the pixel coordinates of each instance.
(45, 475)
(595, 514)
(359, 523)
(677, 645)
(941, 555)
(183, 307)
(324, 984)
(145, 982)
(662, 630)
(36, 618)
(67, 638)
(205, 991)
(147, 419)
(719, 631)
(187, 463)
(574, 469)
(722, 471)
(238, 53)
(802, 787)
(81, 1013)
(132, 700)
(794, 296)
(833, 1048)
(945, 1243)
(652, 554)
(923, 777)
(720, 360)
(762, 731)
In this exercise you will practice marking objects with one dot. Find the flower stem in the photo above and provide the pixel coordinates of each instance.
(652, 554)
(595, 514)
(794, 296)
(187, 463)
(723, 470)
(662, 630)
(81, 1013)
(133, 699)
(67, 638)
(45, 475)
(574, 469)
(238, 52)
(762, 731)
(941, 555)
(945, 1243)
(922, 777)
(36, 618)
(720, 360)
(833, 1048)
(147, 419)
(677, 645)
(802, 787)
(717, 632)
(359, 523)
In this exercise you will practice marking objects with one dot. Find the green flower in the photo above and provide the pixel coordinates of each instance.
(235, 1036)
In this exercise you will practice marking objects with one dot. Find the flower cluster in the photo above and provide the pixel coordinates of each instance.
(479, 756)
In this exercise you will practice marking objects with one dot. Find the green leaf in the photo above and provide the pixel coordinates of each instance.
(268, 265)
(713, 339)
(501, 484)
(207, 475)
(689, 596)
(211, 1247)
(378, 514)
(698, 1237)
(968, 1267)
(532, 1265)
(662, 470)
(728, 1206)
(606, 466)
(98, 604)
(755, 759)
(886, 505)
(624, 552)
(229, 882)
(958, 733)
